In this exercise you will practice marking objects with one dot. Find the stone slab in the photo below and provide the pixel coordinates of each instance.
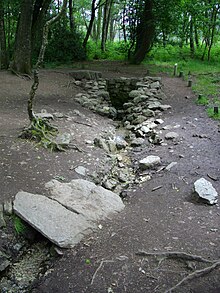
(61, 226)
(87, 199)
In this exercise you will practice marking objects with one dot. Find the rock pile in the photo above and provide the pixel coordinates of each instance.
(130, 99)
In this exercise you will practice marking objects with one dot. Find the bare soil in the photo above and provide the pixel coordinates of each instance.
(165, 219)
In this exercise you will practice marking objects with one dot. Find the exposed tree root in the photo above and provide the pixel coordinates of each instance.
(42, 132)
(195, 274)
(176, 255)
(185, 257)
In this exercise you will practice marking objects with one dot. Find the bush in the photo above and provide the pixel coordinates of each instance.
(64, 46)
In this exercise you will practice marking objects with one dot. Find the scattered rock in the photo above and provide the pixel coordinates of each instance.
(170, 166)
(171, 135)
(4, 262)
(8, 208)
(63, 139)
(206, 191)
(137, 142)
(44, 115)
(149, 162)
(2, 220)
(81, 170)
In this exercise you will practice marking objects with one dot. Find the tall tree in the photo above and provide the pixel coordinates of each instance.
(145, 32)
(3, 49)
(22, 54)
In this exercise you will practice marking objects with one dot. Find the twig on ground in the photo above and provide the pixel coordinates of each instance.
(99, 267)
(195, 274)
(83, 123)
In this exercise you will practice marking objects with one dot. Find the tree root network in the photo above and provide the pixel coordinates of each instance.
(213, 264)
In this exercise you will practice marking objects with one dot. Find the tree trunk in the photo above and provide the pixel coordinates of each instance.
(71, 15)
(145, 33)
(93, 9)
(3, 49)
(99, 20)
(22, 52)
(191, 38)
(213, 26)
(105, 24)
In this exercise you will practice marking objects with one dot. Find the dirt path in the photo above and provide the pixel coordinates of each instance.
(167, 219)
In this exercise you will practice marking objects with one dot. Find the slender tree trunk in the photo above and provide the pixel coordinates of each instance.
(145, 33)
(213, 26)
(124, 24)
(3, 49)
(99, 20)
(105, 24)
(191, 38)
(93, 9)
(71, 20)
(22, 52)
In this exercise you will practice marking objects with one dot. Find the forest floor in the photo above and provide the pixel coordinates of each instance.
(154, 220)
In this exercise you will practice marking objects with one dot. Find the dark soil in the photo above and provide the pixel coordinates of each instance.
(167, 219)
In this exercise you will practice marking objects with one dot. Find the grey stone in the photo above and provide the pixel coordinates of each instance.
(85, 74)
(148, 113)
(140, 119)
(164, 107)
(137, 142)
(112, 146)
(63, 227)
(149, 162)
(110, 184)
(2, 220)
(134, 93)
(8, 207)
(154, 105)
(44, 115)
(81, 170)
(87, 199)
(101, 142)
(171, 135)
(206, 191)
(120, 142)
(63, 139)
(170, 166)
(4, 262)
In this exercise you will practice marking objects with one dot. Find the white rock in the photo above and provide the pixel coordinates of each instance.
(171, 135)
(170, 166)
(149, 162)
(206, 191)
(81, 170)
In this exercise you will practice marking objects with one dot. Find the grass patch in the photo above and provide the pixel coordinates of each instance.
(19, 225)
(212, 114)
(202, 101)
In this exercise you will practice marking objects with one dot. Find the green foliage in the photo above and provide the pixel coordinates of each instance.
(64, 45)
(19, 225)
(114, 51)
(202, 101)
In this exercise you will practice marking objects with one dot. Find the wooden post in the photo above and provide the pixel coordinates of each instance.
(181, 74)
(175, 69)
(189, 82)
(216, 110)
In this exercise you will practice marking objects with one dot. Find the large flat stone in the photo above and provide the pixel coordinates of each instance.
(58, 224)
(87, 199)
